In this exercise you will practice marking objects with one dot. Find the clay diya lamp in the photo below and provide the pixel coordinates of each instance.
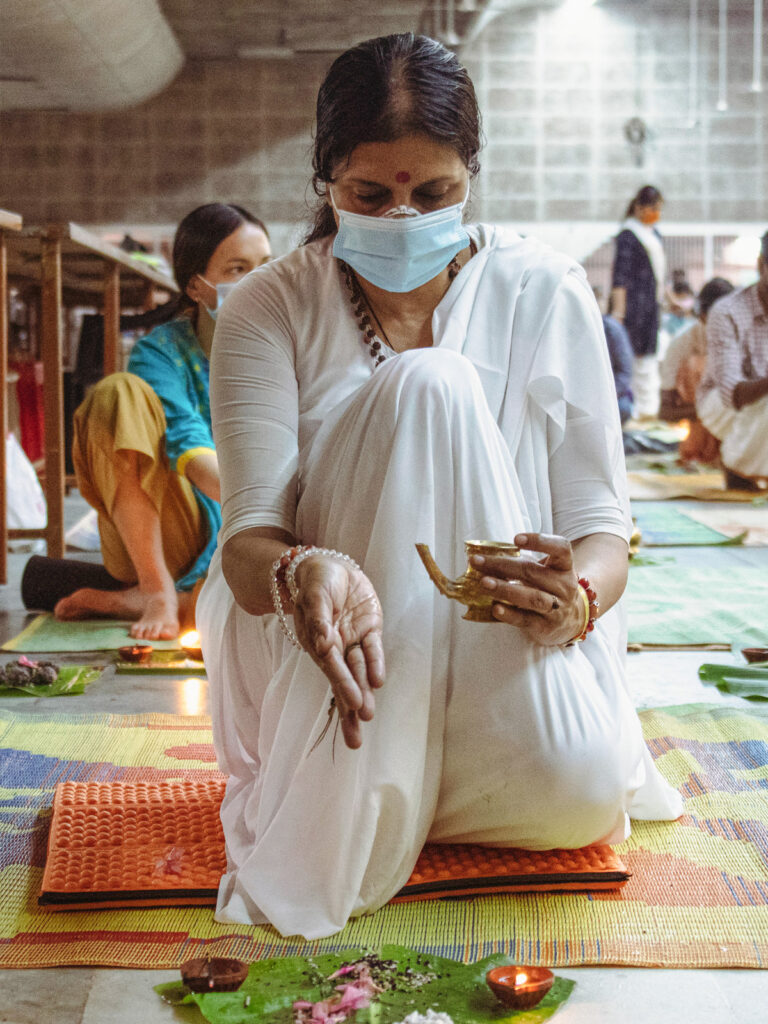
(214, 974)
(520, 988)
(140, 654)
(755, 654)
(190, 642)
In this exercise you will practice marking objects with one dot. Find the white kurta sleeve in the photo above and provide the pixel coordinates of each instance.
(255, 408)
(586, 463)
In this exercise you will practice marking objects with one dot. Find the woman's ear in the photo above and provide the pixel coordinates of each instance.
(193, 289)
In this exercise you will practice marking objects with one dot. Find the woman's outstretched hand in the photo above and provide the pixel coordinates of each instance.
(338, 620)
(541, 598)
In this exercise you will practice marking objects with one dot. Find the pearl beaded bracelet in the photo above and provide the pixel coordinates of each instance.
(289, 561)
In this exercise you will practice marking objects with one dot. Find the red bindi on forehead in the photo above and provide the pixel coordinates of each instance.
(402, 176)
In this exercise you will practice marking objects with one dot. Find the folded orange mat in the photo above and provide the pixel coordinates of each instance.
(151, 844)
(129, 844)
(469, 870)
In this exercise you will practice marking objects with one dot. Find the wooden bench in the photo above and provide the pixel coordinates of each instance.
(70, 267)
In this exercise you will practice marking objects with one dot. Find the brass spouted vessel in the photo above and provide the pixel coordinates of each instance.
(467, 589)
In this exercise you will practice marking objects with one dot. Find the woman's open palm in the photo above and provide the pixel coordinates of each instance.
(338, 621)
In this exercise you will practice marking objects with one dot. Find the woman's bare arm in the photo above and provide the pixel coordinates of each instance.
(203, 472)
(246, 560)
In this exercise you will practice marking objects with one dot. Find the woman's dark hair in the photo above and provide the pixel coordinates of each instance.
(199, 235)
(383, 89)
(647, 196)
(711, 292)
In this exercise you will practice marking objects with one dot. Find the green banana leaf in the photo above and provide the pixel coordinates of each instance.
(750, 682)
(71, 680)
(455, 988)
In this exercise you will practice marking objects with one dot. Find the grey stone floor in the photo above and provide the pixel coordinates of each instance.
(603, 995)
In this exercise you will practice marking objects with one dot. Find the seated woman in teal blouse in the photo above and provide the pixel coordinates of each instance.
(143, 449)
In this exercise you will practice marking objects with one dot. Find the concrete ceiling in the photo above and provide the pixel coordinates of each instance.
(224, 29)
(271, 28)
(108, 54)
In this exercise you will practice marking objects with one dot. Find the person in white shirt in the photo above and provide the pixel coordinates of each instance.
(681, 372)
(404, 378)
(732, 400)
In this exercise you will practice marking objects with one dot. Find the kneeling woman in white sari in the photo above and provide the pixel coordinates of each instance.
(403, 378)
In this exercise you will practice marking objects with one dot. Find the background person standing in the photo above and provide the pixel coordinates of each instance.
(637, 290)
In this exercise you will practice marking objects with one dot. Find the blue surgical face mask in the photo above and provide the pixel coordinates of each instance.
(222, 291)
(402, 249)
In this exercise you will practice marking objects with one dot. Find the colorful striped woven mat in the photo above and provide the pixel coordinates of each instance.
(698, 896)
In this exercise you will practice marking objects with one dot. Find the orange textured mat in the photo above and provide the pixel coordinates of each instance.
(128, 844)
(160, 843)
(468, 870)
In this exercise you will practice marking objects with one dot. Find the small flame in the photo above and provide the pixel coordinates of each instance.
(521, 978)
(190, 639)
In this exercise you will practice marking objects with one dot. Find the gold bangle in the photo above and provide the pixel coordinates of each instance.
(587, 610)
(582, 634)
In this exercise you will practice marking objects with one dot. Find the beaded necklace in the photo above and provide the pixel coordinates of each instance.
(365, 314)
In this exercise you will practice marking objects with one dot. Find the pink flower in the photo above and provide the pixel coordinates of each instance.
(336, 1009)
(350, 997)
(170, 862)
(346, 969)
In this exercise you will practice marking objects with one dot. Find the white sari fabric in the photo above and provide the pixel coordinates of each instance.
(508, 423)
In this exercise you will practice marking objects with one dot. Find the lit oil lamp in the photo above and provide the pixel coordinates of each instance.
(141, 654)
(190, 641)
(520, 988)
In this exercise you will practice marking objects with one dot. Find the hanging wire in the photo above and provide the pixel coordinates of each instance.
(693, 64)
(722, 96)
(757, 49)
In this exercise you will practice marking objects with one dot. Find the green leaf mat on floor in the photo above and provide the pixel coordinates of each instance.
(71, 680)
(458, 989)
(685, 606)
(162, 662)
(663, 525)
(45, 635)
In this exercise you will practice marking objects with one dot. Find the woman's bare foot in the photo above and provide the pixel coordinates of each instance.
(157, 613)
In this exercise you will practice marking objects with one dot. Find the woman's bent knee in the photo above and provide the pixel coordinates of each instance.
(583, 796)
(110, 391)
(116, 409)
(437, 378)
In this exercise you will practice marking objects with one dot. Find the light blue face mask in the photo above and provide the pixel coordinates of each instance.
(222, 291)
(400, 253)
